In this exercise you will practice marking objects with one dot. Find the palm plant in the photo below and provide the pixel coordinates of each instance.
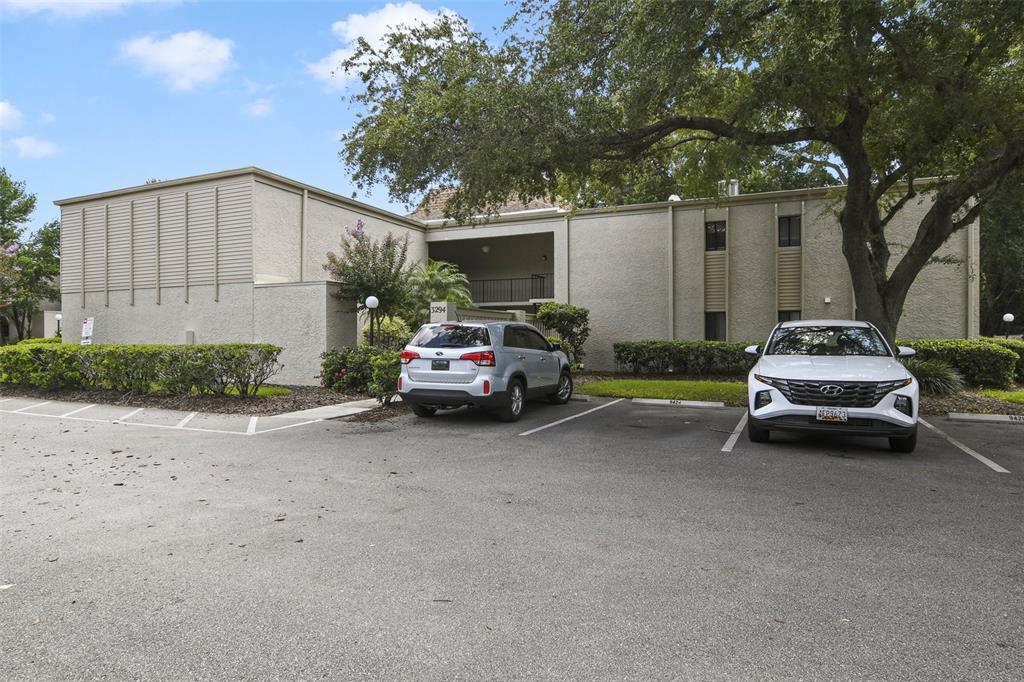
(435, 280)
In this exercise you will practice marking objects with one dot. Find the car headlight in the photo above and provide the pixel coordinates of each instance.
(771, 381)
(761, 399)
(905, 405)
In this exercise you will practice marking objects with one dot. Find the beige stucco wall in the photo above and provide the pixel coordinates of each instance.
(304, 319)
(277, 225)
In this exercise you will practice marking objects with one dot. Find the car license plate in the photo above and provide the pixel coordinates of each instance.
(440, 365)
(832, 414)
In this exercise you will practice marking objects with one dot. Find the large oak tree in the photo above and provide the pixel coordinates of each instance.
(586, 96)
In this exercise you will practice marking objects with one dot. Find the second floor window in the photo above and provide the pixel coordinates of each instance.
(714, 236)
(789, 230)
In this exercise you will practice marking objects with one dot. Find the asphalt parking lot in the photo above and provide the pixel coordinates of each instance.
(625, 542)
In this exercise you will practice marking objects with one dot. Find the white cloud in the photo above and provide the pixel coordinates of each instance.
(32, 148)
(255, 87)
(47, 117)
(10, 117)
(184, 60)
(70, 9)
(259, 108)
(371, 27)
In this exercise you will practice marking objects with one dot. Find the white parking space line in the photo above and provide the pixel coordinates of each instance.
(981, 458)
(4, 400)
(252, 425)
(575, 416)
(186, 420)
(734, 436)
(130, 414)
(286, 426)
(31, 407)
(76, 411)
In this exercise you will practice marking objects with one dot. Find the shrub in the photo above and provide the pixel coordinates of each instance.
(1016, 346)
(981, 363)
(392, 332)
(935, 376)
(39, 339)
(687, 358)
(571, 323)
(238, 368)
(384, 384)
(351, 368)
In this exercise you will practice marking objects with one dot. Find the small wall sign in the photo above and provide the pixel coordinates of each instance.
(87, 325)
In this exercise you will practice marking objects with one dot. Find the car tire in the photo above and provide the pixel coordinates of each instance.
(906, 444)
(422, 410)
(515, 400)
(757, 434)
(565, 388)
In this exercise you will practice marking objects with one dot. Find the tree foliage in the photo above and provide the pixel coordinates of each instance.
(16, 206)
(37, 265)
(585, 98)
(368, 267)
(571, 323)
(1002, 258)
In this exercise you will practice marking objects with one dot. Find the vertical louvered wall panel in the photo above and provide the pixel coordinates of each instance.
(789, 278)
(234, 230)
(119, 252)
(172, 240)
(715, 280)
(200, 237)
(71, 250)
(144, 251)
(94, 238)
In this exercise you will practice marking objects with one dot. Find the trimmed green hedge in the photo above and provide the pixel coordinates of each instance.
(40, 339)
(686, 358)
(981, 363)
(1015, 345)
(142, 368)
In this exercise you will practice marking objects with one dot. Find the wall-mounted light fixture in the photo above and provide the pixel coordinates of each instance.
(485, 248)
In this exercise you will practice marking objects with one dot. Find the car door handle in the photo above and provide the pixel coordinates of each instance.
(520, 357)
(543, 359)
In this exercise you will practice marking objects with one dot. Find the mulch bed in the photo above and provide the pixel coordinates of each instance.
(301, 398)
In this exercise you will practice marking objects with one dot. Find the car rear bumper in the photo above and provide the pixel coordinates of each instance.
(435, 397)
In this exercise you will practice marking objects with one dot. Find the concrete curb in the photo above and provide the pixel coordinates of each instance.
(580, 398)
(331, 411)
(676, 403)
(989, 418)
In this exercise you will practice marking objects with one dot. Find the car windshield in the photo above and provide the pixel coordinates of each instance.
(451, 336)
(827, 341)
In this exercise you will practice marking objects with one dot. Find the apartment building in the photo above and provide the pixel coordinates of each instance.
(238, 256)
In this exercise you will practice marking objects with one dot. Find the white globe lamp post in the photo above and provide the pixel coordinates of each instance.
(1007, 320)
(371, 304)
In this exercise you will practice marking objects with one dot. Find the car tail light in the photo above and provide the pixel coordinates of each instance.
(487, 387)
(407, 355)
(482, 358)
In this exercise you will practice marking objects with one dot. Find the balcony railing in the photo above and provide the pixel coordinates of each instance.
(513, 289)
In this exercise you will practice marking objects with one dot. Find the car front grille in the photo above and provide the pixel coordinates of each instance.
(853, 393)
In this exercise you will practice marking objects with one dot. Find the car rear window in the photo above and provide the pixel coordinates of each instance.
(451, 336)
(827, 341)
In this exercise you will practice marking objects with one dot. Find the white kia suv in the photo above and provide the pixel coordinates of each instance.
(833, 376)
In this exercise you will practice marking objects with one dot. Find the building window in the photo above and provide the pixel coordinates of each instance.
(789, 315)
(714, 236)
(714, 326)
(789, 230)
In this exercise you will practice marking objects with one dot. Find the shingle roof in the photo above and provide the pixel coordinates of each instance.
(432, 206)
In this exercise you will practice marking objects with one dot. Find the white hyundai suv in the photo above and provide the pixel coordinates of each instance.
(834, 376)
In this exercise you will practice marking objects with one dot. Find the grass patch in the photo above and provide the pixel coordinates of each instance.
(728, 392)
(1009, 396)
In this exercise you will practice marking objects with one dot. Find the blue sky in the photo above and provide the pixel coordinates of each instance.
(105, 94)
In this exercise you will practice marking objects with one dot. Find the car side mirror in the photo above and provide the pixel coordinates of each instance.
(752, 350)
(556, 346)
(905, 352)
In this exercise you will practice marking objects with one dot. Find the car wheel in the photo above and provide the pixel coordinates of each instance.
(422, 410)
(904, 444)
(756, 434)
(515, 398)
(564, 392)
